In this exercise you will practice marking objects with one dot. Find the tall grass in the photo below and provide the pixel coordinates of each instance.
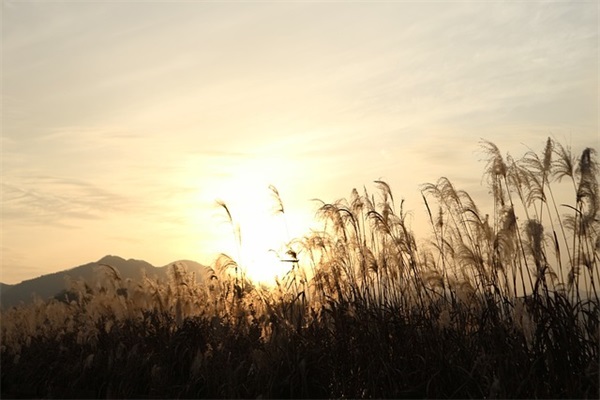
(495, 305)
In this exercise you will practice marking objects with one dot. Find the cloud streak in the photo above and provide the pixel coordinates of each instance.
(57, 201)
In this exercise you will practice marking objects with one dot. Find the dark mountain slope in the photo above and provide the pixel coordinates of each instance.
(49, 285)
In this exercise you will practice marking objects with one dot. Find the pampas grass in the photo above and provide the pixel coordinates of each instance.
(495, 305)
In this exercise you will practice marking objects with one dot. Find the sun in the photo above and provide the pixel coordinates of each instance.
(254, 230)
(237, 211)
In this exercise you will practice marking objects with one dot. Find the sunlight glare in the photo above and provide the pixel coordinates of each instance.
(263, 231)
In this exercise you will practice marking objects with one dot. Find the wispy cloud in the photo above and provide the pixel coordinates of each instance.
(57, 201)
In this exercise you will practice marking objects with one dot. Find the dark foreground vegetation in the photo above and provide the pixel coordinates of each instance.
(498, 306)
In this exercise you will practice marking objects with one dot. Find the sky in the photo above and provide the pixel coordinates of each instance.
(124, 122)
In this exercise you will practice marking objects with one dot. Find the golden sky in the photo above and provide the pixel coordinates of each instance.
(123, 122)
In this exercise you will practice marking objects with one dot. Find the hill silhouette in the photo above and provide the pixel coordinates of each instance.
(49, 285)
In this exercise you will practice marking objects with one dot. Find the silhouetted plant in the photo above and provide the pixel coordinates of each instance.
(493, 305)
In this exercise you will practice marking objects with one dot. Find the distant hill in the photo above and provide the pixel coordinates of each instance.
(4, 286)
(47, 286)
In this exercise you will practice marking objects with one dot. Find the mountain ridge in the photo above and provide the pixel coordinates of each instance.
(49, 285)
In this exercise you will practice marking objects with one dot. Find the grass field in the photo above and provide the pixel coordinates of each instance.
(504, 305)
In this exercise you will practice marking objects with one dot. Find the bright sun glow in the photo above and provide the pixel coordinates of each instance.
(263, 231)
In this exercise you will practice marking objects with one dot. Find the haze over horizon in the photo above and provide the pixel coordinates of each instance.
(123, 122)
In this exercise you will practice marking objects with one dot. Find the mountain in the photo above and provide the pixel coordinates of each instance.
(4, 287)
(47, 286)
